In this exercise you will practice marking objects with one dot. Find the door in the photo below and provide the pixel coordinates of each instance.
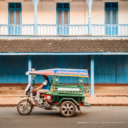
(105, 69)
(63, 18)
(111, 69)
(111, 18)
(122, 69)
(14, 18)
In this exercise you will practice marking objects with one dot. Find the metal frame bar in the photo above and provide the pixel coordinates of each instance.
(29, 67)
(89, 16)
(35, 2)
(92, 75)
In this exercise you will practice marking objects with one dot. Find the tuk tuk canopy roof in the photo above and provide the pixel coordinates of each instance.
(61, 72)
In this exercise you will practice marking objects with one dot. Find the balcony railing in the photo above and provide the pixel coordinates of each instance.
(43, 29)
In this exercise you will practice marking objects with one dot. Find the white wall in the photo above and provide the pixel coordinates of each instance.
(123, 12)
(98, 11)
(78, 12)
(27, 13)
(3, 13)
(46, 12)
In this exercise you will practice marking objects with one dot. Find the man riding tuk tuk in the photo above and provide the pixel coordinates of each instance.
(61, 94)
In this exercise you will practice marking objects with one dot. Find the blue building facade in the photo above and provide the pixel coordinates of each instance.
(101, 48)
(107, 69)
(104, 67)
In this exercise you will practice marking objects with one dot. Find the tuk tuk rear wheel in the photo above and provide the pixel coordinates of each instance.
(24, 107)
(68, 108)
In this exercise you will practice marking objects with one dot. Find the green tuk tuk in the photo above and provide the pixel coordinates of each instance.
(63, 94)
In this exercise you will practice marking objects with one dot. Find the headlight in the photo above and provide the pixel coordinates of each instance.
(49, 97)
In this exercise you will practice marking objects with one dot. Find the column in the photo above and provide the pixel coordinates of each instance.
(92, 75)
(29, 67)
(35, 2)
(89, 16)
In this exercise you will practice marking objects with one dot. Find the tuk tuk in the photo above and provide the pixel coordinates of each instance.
(63, 94)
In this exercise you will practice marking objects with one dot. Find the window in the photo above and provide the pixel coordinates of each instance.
(15, 11)
(63, 18)
(63, 6)
(111, 5)
(62, 13)
(111, 17)
(15, 5)
(111, 10)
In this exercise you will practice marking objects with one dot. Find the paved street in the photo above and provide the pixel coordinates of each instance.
(91, 117)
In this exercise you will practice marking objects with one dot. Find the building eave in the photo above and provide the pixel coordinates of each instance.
(82, 53)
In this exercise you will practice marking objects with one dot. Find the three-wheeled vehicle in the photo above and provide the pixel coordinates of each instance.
(64, 95)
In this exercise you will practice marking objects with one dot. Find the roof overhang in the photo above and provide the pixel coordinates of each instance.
(82, 53)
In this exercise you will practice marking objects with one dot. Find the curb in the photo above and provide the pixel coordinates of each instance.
(111, 95)
(13, 96)
(13, 105)
(109, 104)
(8, 105)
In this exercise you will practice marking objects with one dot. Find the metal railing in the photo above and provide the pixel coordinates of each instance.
(107, 29)
(51, 29)
(24, 29)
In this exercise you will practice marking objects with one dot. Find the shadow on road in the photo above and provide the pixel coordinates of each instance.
(46, 113)
(49, 114)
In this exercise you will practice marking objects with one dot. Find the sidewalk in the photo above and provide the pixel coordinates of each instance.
(105, 95)
(94, 101)
(109, 90)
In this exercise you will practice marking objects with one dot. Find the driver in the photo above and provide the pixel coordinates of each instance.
(43, 88)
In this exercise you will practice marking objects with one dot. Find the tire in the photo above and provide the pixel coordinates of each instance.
(21, 107)
(68, 109)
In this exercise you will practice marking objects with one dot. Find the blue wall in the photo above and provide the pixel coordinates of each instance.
(46, 62)
(105, 69)
(111, 69)
(12, 69)
(108, 69)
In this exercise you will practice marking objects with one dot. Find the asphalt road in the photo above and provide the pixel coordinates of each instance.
(91, 117)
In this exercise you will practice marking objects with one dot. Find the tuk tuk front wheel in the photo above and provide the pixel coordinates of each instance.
(68, 108)
(24, 107)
